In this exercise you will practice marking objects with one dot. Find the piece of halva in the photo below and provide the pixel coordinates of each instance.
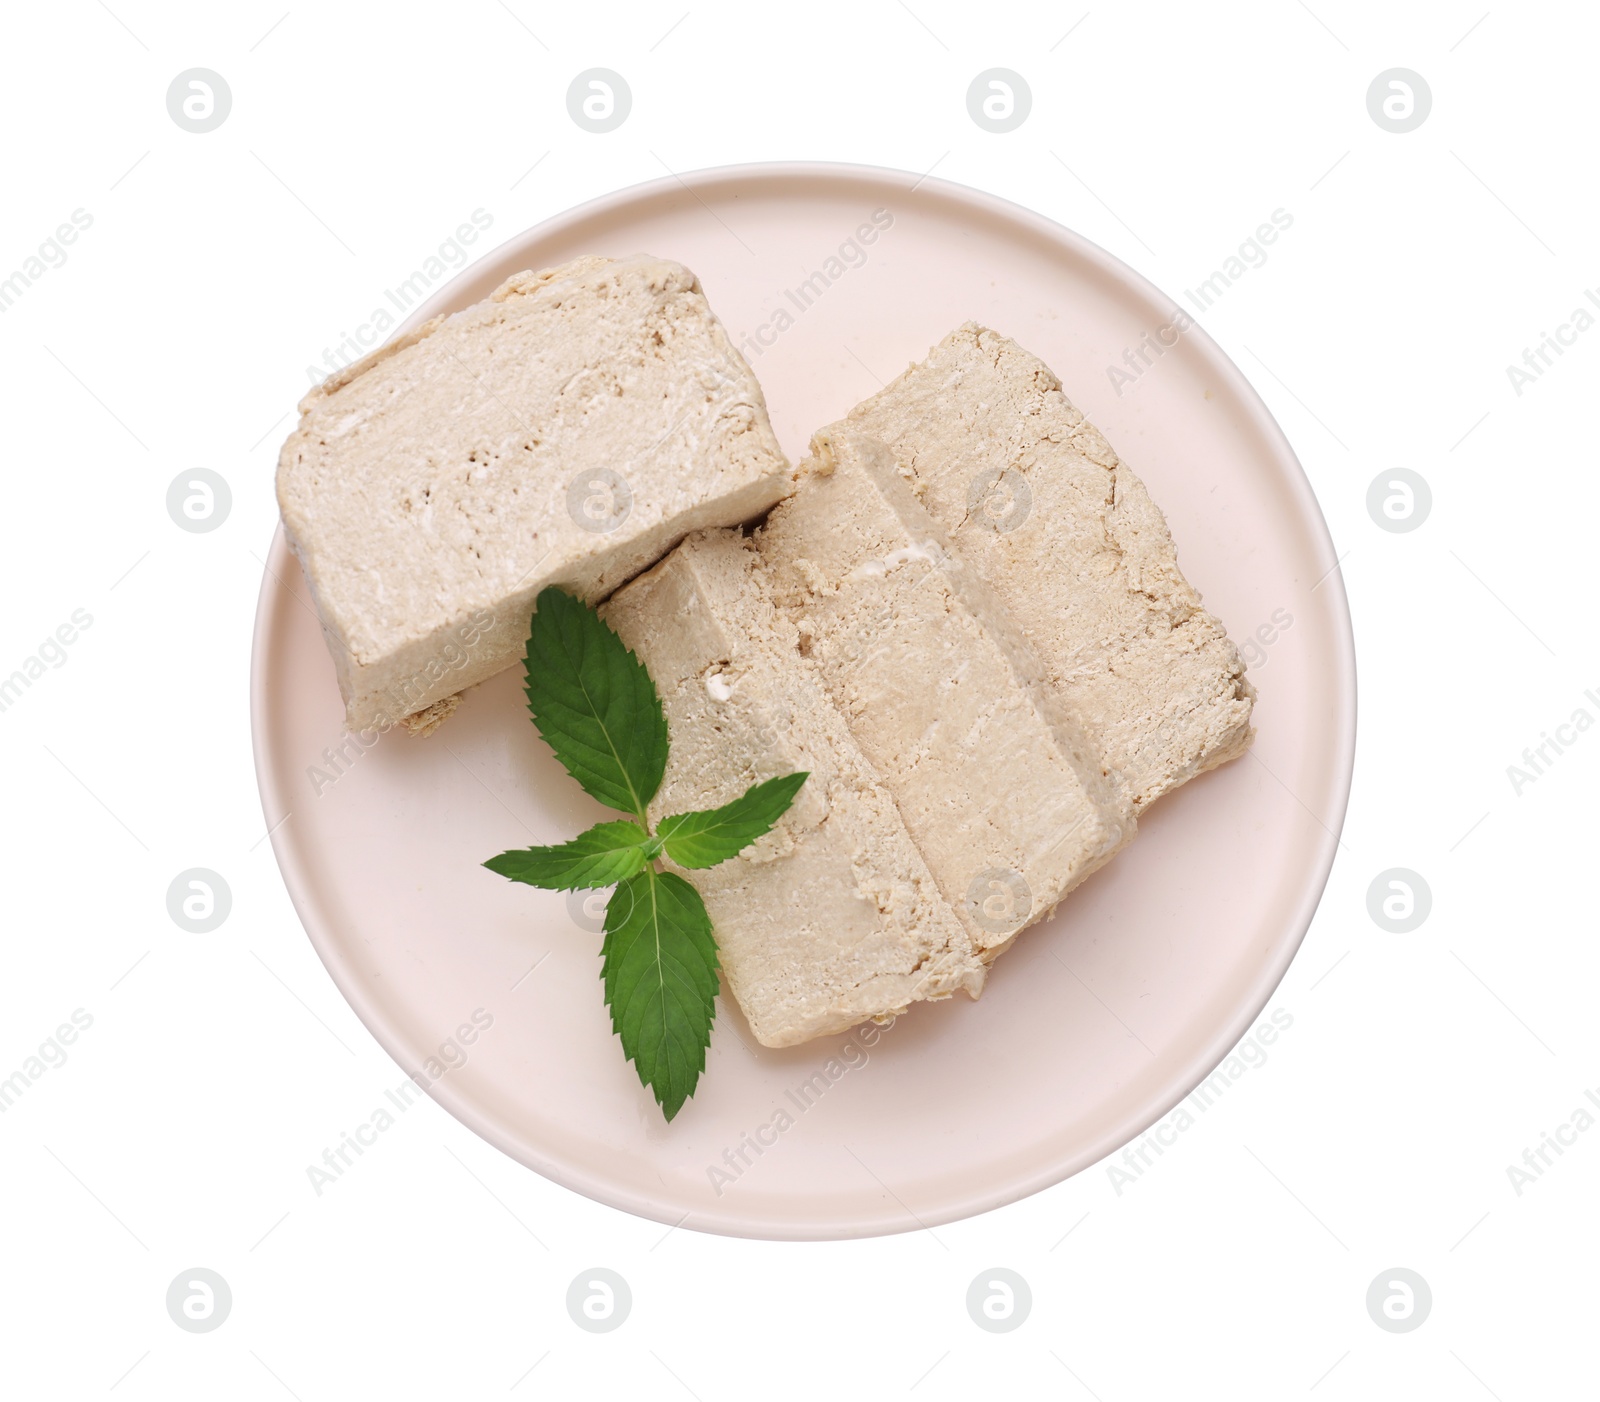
(569, 430)
(832, 918)
(1003, 795)
(1034, 498)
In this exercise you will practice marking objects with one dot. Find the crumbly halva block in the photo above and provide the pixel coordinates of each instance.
(833, 917)
(1004, 797)
(569, 429)
(1035, 499)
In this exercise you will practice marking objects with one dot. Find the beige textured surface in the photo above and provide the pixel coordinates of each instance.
(426, 489)
(985, 436)
(833, 917)
(431, 717)
(940, 690)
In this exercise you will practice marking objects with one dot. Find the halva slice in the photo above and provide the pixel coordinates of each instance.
(1003, 795)
(832, 918)
(1036, 500)
(568, 429)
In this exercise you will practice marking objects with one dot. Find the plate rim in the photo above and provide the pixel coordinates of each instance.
(1202, 1064)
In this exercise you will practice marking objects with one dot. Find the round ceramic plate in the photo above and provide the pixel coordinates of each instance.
(1097, 1022)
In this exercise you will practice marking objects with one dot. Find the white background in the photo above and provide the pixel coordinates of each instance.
(175, 336)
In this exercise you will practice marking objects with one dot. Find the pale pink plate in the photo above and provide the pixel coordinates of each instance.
(1097, 1022)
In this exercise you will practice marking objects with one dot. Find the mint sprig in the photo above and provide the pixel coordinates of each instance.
(596, 706)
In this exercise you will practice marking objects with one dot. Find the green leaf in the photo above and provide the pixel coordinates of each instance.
(659, 967)
(713, 835)
(594, 703)
(606, 854)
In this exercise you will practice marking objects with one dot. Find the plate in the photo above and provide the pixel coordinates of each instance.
(1098, 1022)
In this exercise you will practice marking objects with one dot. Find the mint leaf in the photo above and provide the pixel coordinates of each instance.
(606, 854)
(659, 966)
(594, 703)
(712, 835)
